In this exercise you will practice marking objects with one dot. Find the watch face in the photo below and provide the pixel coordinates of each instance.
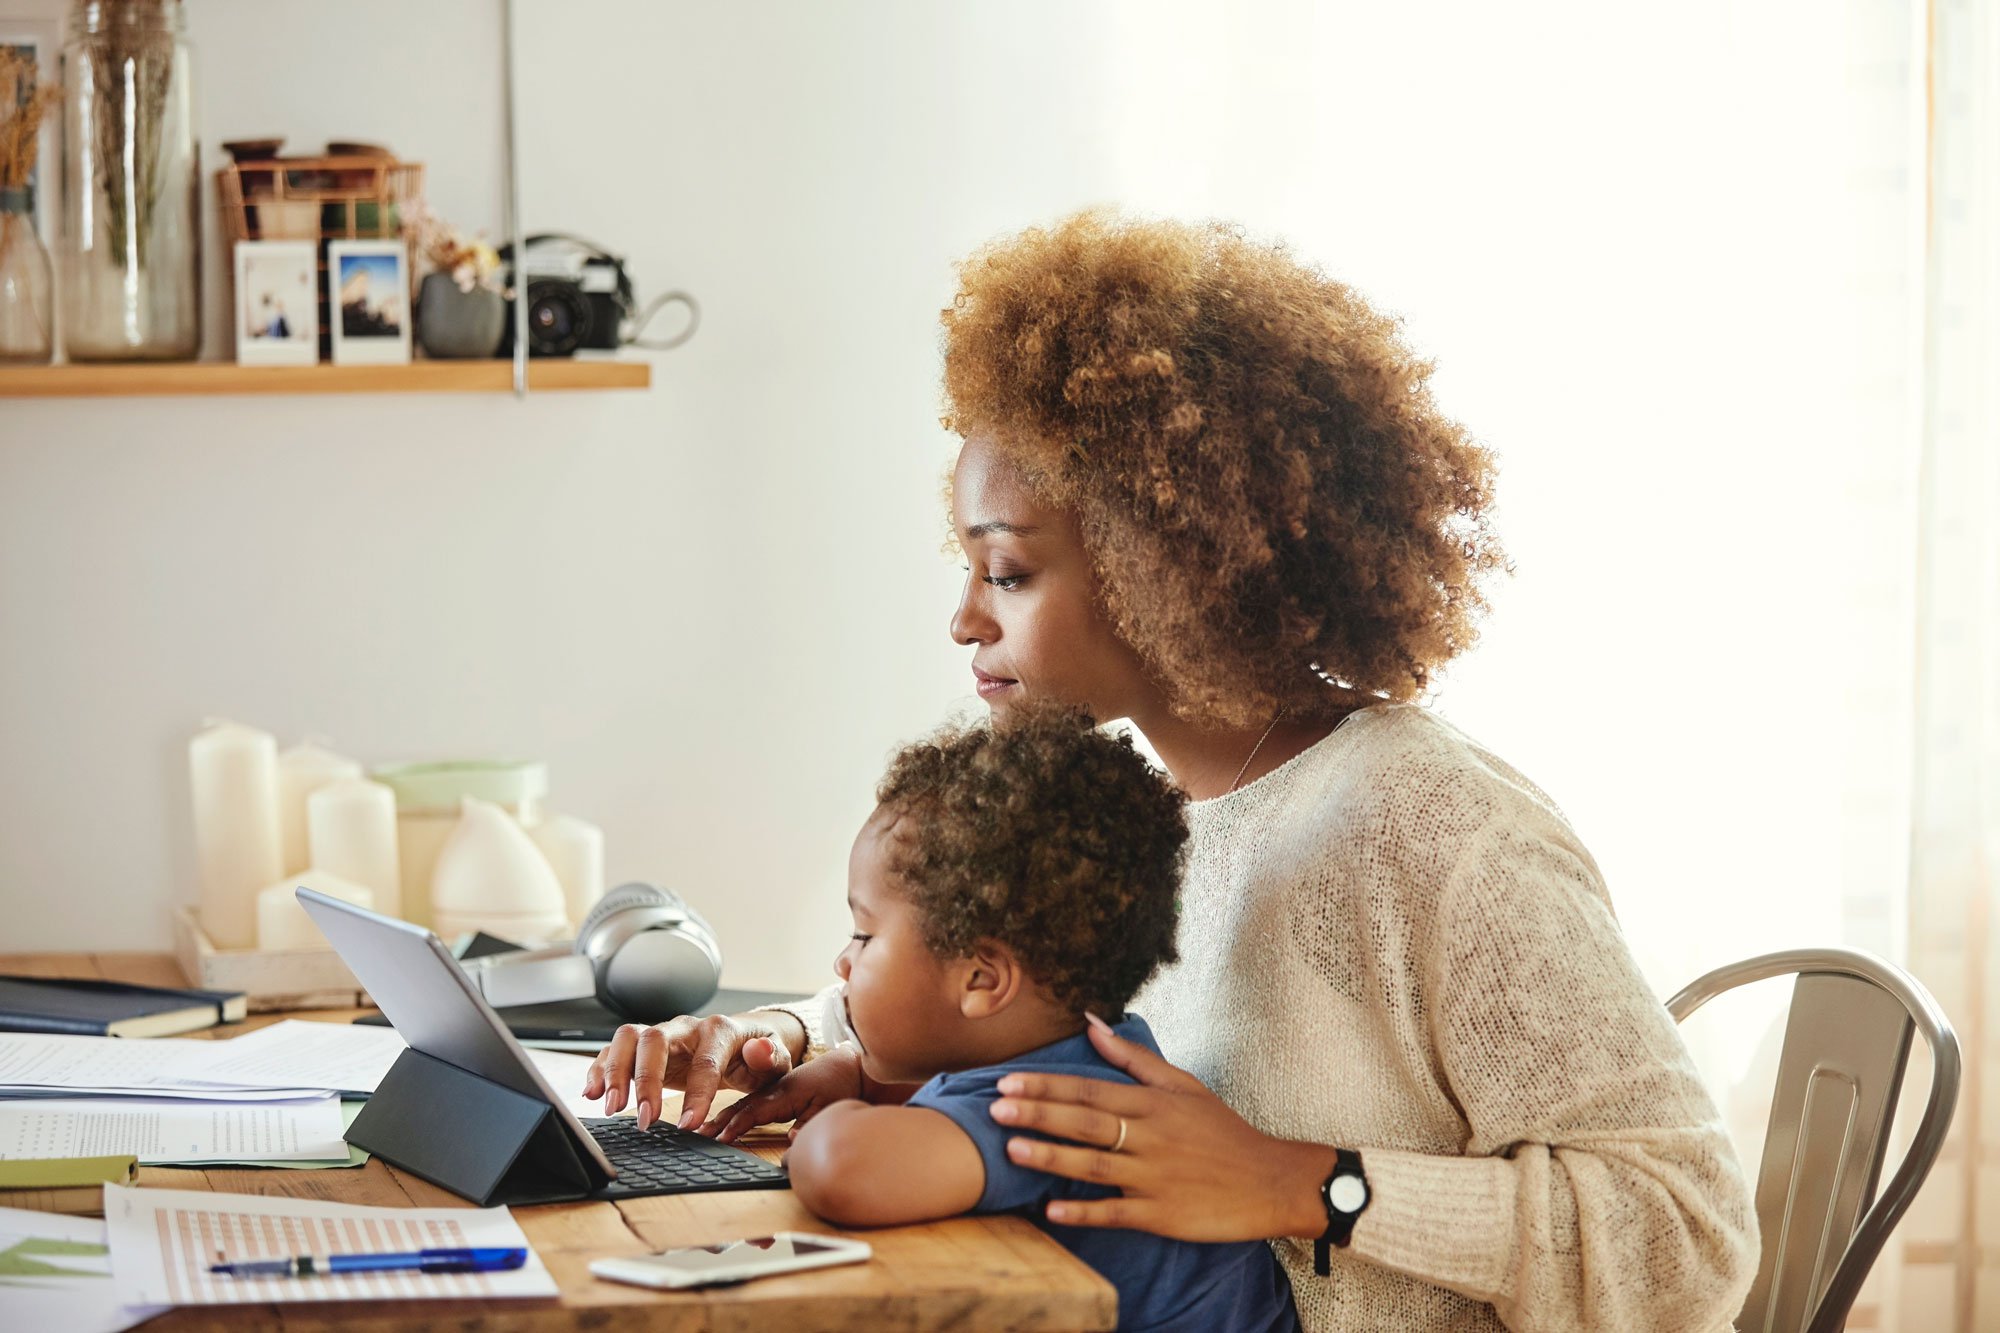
(1347, 1193)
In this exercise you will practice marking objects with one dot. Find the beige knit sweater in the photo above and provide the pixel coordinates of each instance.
(1395, 943)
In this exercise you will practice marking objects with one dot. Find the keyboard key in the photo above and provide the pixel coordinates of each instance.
(666, 1159)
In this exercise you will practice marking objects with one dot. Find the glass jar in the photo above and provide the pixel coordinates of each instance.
(132, 187)
(27, 298)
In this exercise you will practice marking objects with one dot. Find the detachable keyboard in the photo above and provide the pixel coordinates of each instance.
(669, 1160)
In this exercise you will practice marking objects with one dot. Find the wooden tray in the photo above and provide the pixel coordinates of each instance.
(273, 979)
(317, 198)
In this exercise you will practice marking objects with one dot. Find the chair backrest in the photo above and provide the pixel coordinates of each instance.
(1847, 1040)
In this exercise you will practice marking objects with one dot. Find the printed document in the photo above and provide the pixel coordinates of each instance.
(162, 1242)
(160, 1132)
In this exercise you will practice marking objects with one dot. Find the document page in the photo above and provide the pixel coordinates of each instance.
(36, 1063)
(159, 1132)
(342, 1056)
(301, 1054)
(37, 1059)
(162, 1242)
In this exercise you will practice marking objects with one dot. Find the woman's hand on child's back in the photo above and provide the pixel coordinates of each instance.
(698, 1055)
(1184, 1163)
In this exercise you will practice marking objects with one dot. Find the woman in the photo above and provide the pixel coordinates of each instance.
(1205, 489)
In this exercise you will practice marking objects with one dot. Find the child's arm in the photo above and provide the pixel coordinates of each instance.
(858, 1165)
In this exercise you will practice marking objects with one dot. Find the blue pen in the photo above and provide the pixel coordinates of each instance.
(494, 1260)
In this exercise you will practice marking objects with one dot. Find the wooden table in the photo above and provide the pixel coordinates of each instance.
(966, 1273)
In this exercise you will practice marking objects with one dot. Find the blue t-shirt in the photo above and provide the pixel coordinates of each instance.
(1162, 1283)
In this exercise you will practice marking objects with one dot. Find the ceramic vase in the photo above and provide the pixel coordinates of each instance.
(454, 324)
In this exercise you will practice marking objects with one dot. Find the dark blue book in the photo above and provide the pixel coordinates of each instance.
(109, 1008)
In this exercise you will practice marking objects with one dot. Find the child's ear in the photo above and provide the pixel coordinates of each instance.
(991, 978)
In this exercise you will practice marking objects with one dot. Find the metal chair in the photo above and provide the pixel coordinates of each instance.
(1847, 1040)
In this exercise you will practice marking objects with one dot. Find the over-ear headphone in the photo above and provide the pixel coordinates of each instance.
(651, 955)
(642, 952)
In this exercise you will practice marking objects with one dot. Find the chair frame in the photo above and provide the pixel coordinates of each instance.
(1871, 1233)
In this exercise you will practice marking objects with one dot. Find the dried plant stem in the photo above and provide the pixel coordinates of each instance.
(24, 99)
(131, 73)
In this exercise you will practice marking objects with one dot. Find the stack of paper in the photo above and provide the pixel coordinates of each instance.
(338, 1056)
(157, 1132)
(288, 1059)
(264, 1098)
(67, 1096)
(34, 1064)
(267, 1098)
(350, 1058)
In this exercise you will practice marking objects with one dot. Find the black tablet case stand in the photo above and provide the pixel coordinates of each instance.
(481, 1141)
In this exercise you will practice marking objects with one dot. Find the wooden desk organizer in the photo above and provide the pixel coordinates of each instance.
(273, 979)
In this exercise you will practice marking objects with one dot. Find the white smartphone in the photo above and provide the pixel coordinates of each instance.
(733, 1261)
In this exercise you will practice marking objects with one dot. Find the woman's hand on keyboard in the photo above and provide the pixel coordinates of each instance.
(698, 1055)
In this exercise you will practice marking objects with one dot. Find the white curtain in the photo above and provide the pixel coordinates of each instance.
(1717, 284)
(1950, 1273)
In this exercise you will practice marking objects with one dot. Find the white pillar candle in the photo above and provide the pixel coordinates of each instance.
(351, 828)
(302, 770)
(236, 841)
(575, 849)
(283, 924)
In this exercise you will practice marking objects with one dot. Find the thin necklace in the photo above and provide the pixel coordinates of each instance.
(1253, 750)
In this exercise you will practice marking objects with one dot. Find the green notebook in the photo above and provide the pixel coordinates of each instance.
(50, 1173)
(71, 1185)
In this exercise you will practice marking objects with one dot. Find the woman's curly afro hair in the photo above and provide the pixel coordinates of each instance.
(1054, 838)
(1260, 474)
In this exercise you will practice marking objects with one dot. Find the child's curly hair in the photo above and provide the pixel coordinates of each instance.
(1048, 835)
(1261, 476)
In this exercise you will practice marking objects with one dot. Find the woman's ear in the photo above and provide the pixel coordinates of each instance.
(990, 979)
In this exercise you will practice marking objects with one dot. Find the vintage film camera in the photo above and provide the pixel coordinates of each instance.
(580, 299)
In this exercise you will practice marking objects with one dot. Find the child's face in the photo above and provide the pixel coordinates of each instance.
(901, 1001)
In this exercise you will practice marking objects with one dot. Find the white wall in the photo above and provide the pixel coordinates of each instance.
(714, 607)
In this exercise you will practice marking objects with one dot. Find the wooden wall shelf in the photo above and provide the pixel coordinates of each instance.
(176, 379)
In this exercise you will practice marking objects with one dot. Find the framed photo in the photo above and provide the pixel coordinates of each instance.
(368, 301)
(277, 304)
(39, 41)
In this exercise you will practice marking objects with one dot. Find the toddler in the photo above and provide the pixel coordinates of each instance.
(1010, 882)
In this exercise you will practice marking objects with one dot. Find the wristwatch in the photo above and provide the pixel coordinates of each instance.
(1345, 1195)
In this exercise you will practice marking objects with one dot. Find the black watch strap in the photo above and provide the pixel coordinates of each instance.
(1339, 1223)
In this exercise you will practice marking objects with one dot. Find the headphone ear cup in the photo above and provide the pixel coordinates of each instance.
(651, 955)
(660, 973)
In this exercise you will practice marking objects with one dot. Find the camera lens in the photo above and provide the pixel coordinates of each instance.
(558, 318)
